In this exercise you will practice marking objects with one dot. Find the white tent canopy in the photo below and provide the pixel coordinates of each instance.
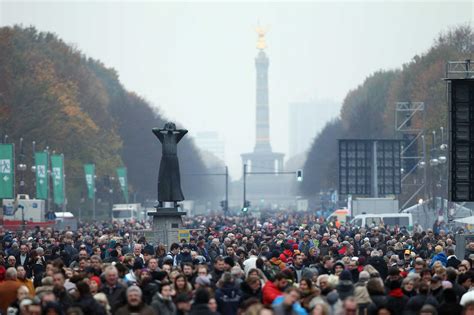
(466, 220)
(65, 215)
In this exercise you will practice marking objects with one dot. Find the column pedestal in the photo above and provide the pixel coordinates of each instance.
(166, 225)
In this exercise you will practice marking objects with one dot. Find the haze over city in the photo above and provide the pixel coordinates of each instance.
(195, 61)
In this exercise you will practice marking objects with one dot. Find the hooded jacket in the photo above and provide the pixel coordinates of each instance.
(228, 299)
(441, 257)
(248, 293)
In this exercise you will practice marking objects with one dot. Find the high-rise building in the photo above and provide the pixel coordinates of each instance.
(209, 141)
(305, 120)
(303, 125)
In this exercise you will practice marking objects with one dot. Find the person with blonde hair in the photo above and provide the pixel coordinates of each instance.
(322, 282)
(408, 287)
(102, 299)
(321, 309)
(372, 271)
(21, 294)
(439, 256)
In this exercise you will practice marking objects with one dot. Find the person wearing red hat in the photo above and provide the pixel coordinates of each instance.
(94, 284)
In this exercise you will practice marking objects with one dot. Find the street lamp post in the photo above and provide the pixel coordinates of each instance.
(434, 162)
(93, 199)
(442, 160)
(21, 169)
(111, 194)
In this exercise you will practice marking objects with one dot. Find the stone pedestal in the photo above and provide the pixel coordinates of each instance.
(166, 225)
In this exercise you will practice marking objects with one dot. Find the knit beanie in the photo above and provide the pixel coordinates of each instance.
(345, 275)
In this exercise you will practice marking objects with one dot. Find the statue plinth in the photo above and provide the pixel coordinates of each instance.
(166, 225)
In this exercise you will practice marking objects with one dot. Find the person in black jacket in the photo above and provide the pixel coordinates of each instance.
(86, 302)
(377, 295)
(251, 288)
(436, 288)
(452, 260)
(228, 295)
(396, 300)
(23, 258)
(415, 303)
(451, 275)
(64, 299)
(184, 256)
(201, 299)
(218, 270)
(114, 291)
(450, 305)
(378, 263)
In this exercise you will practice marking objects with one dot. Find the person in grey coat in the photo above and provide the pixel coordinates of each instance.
(162, 302)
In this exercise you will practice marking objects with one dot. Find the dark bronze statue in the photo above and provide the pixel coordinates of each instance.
(169, 181)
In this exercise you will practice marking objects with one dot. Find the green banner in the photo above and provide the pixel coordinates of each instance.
(122, 177)
(7, 171)
(57, 173)
(42, 183)
(89, 170)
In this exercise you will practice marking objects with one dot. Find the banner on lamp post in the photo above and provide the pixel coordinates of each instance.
(57, 173)
(89, 171)
(7, 171)
(42, 181)
(122, 178)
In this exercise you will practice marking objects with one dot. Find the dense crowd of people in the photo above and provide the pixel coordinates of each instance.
(281, 264)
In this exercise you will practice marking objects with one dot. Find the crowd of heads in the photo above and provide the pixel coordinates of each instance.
(283, 263)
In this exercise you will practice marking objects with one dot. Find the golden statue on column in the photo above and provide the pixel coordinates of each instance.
(261, 31)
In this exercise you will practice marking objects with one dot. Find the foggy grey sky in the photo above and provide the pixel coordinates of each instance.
(195, 61)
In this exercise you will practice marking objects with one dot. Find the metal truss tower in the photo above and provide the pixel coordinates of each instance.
(410, 126)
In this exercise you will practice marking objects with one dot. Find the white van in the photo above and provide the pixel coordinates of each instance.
(342, 215)
(126, 212)
(390, 219)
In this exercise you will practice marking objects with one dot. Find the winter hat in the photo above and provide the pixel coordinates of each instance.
(339, 263)
(134, 288)
(137, 265)
(96, 280)
(203, 281)
(308, 273)
(364, 276)
(159, 275)
(345, 275)
(228, 260)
